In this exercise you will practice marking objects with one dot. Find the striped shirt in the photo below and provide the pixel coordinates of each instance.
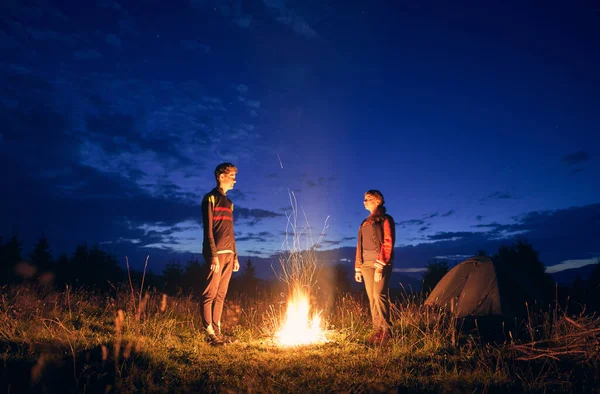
(217, 219)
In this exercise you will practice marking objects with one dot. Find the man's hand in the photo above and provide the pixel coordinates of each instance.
(358, 276)
(236, 265)
(215, 266)
(378, 274)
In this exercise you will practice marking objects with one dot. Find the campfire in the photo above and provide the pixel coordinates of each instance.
(299, 327)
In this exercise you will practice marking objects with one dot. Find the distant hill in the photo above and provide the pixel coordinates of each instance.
(399, 280)
(567, 277)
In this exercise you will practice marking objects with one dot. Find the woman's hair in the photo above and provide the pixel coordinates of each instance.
(377, 194)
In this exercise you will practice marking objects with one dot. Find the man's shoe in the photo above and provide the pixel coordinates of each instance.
(215, 340)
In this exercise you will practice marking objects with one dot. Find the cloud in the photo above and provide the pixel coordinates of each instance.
(411, 222)
(82, 204)
(112, 4)
(7, 41)
(195, 45)
(500, 196)
(497, 196)
(575, 171)
(318, 182)
(241, 88)
(31, 13)
(495, 226)
(87, 54)
(127, 26)
(253, 103)
(100, 168)
(258, 252)
(229, 9)
(453, 257)
(570, 264)
(328, 243)
(113, 40)
(409, 270)
(280, 11)
(449, 213)
(291, 17)
(254, 215)
(198, 3)
(451, 235)
(558, 236)
(310, 183)
(262, 237)
(575, 158)
(42, 35)
(168, 144)
(304, 29)
(243, 21)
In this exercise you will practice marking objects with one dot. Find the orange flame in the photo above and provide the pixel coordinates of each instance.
(299, 328)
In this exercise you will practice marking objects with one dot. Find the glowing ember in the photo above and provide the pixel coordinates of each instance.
(298, 328)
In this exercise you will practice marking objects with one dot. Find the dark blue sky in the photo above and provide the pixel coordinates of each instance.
(478, 121)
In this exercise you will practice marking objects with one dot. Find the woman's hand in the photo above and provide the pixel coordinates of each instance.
(378, 274)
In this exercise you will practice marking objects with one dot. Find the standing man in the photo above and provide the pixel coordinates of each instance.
(218, 249)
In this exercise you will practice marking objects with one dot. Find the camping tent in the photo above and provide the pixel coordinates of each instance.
(470, 289)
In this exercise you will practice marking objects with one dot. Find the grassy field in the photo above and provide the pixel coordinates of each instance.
(81, 341)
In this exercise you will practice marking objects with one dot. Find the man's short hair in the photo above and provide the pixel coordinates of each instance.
(224, 168)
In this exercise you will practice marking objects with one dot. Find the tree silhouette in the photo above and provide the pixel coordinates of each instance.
(77, 274)
(41, 257)
(105, 268)
(194, 276)
(172, 275)
(13, 250)
(41, 260)
(11, 256)
(248, 279)
(593, 283)
(62, 270)
(521, 257)
(594, 279)
(342, 279)
(4, 271)
(520, 271)
(93, 267)
(435, 272)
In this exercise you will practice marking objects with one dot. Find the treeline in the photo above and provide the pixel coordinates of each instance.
(93, 268)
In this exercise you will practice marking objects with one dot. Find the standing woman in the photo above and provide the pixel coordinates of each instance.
(374, 259)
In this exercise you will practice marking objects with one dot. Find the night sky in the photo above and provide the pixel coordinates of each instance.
(479, 122)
